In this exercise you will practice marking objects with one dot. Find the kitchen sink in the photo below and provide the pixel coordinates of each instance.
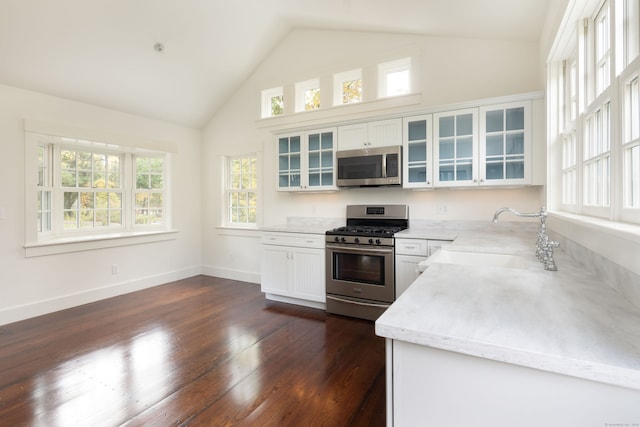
(478, 259)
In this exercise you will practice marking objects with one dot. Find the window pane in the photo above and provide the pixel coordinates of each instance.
(464, 147)
(447, 126)
(312, 99)
(515, 118)
(495, 121)
(464, 124)
(418, 130)
(327, 141)
(351, 91)
(515, 143)
(495, 145)
(314, 142)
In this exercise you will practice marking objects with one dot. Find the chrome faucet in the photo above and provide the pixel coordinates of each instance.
(544, 246)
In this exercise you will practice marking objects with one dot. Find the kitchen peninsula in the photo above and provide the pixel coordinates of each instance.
(485, 345)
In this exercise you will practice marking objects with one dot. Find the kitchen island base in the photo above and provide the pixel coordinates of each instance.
(432, 387)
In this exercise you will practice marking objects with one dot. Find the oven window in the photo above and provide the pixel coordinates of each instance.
(359, 268)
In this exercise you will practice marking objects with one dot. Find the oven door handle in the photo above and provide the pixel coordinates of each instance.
(360, 250)
(348, 301)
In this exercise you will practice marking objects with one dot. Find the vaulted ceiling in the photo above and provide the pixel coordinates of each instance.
(102, 51)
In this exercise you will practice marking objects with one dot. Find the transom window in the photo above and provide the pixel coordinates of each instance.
(273, 102)
(394, 77)
(308, 95)
(347, 87)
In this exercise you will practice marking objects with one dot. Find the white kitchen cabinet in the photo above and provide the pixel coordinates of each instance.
(293, 268)
(380, 133)
(306, 161)
(505, 144)
(456, 148)
(485, 146)
(417, 146)
(431, 387)
(410, 253)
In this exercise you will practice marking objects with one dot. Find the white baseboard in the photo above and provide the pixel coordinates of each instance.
(38, 308)
(226, 273)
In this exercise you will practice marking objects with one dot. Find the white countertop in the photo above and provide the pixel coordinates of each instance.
(567, 321)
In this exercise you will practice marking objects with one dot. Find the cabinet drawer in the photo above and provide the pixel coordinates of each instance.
(412, 247)
(303, 240)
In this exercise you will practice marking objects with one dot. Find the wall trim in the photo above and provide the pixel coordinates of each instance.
(227, 273)
(39, 308)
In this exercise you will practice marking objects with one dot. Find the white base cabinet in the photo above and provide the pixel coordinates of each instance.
(293, 268)
(430, 387)
(410, 253)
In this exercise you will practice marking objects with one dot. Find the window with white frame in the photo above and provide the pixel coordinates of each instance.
(86, 188)
(598, 140)
(602, 49)
(273, 102)
(241, 189)
(631, 145)
(394, 78)
(597, 157)
(347, 87)
(308, 95)
(569, 172)
(631, 36)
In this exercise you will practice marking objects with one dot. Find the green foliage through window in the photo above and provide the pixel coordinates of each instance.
(242, 186)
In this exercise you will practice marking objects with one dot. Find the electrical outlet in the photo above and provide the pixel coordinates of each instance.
(114, 269)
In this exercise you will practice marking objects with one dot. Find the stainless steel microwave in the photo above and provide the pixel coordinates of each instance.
(370, 167)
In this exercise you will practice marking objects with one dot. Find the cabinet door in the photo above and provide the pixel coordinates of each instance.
(351, 137)
(417, 148)
(321, 159)
(406, 271)
(383, 133)
(275, 270)
(308, 278)
(456, 148)
(505, 144)
(290, 162)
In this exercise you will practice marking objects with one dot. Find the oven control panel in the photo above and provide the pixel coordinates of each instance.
(361, 240)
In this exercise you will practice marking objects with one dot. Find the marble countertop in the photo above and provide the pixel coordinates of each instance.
(568, 322)
(305, 225)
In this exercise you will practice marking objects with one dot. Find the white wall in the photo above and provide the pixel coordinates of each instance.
(33, 286)
(450, 71)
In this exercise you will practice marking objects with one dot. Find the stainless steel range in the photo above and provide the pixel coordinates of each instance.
(361, 260)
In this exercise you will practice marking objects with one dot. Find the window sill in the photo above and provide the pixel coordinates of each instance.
(622, 230)
(233, 230)
(96, 241)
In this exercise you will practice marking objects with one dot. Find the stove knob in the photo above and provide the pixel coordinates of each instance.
(378, 241)
(336, 239)
(356, 240)
(371, 241)
(342, 239)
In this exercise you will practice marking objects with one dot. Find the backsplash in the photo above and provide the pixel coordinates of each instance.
(624, 281)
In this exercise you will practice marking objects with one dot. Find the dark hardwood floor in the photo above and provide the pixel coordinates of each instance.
(201, 352)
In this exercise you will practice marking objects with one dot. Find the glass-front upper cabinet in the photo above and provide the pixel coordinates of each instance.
(289, 162)
(321, 150)
(306, 161)
(417, 163)
(456, 148)
(505, 143)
